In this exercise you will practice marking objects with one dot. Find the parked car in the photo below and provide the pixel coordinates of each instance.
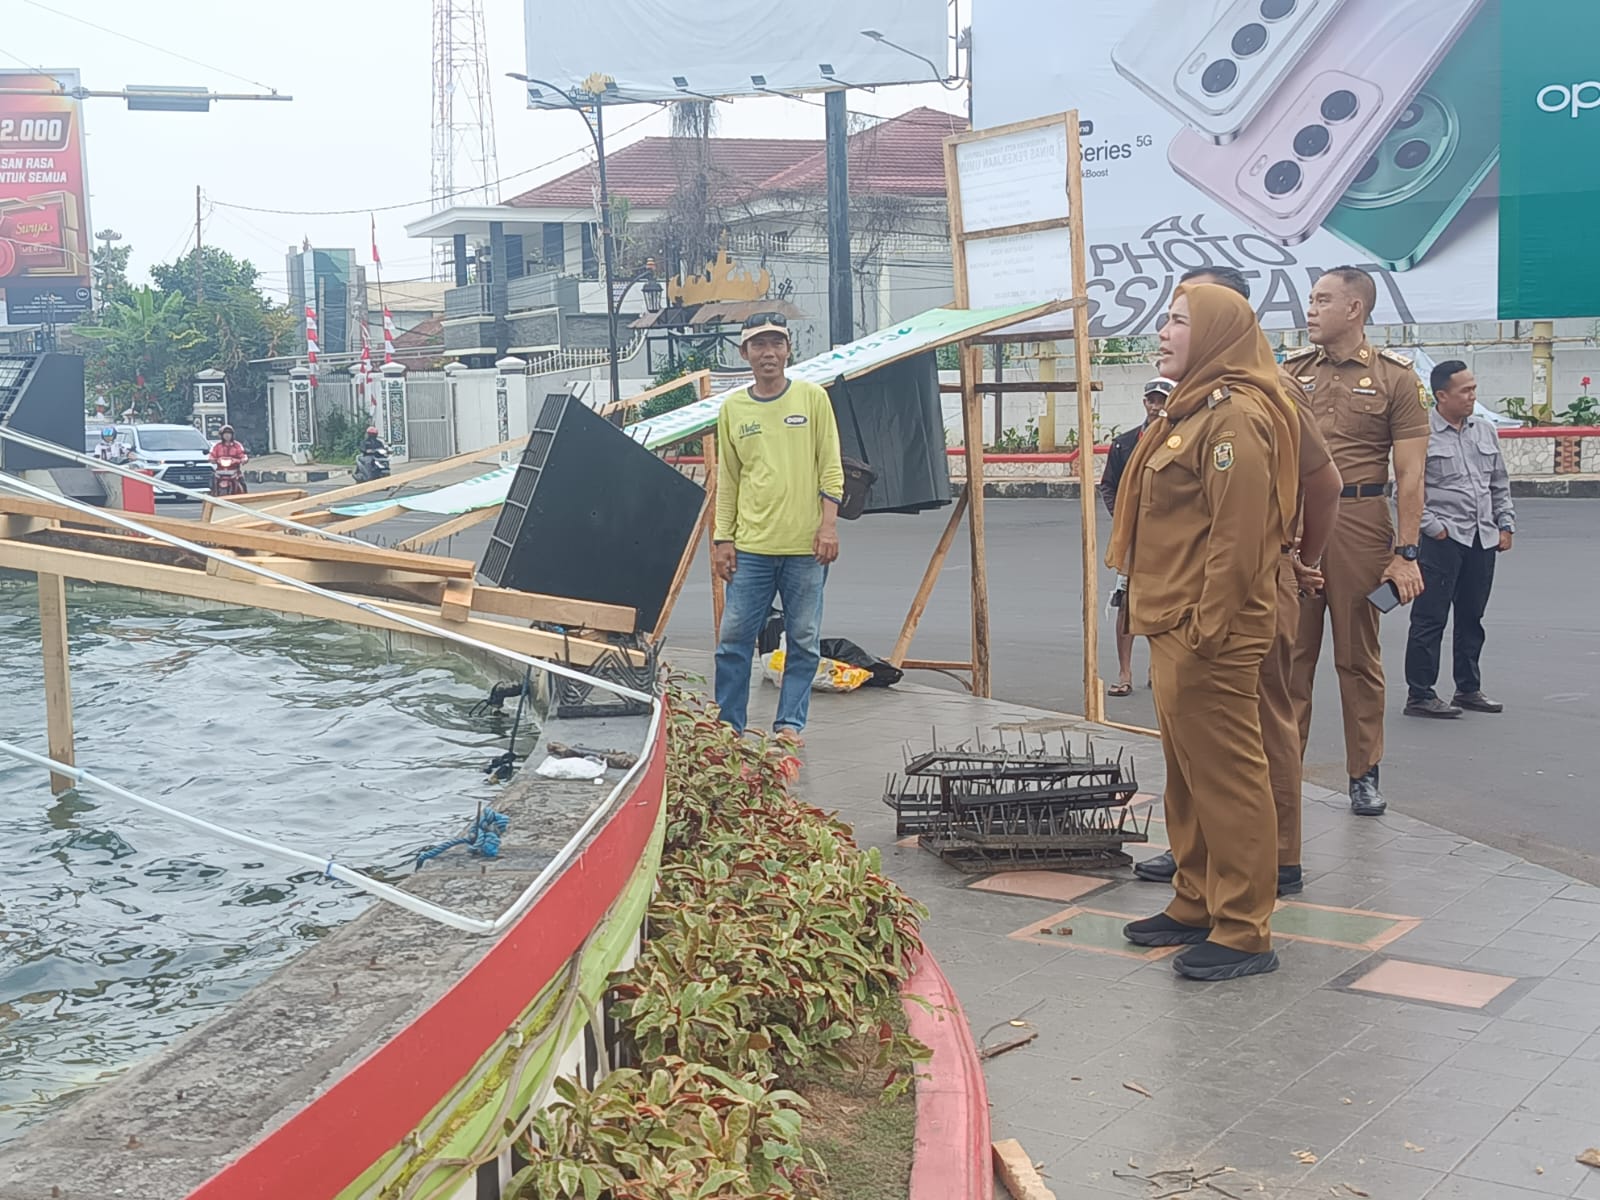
(172, 453)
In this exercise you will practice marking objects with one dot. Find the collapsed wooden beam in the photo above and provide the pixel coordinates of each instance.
(279, 598)
(211, 510)
(466, 520)
(57, 675)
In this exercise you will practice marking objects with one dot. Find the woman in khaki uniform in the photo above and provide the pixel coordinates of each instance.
(1203, 515)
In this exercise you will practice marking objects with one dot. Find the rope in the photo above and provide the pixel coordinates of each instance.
(482, 837)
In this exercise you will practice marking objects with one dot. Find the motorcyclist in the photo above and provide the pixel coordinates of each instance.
(228, 447)
(111, 447)
(373, 443)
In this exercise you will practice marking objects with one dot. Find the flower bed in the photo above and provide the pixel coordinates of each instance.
(777, 950)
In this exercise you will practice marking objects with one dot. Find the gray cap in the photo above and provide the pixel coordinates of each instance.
(1160, 384)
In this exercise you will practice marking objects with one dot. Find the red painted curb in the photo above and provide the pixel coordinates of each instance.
(952, 1159)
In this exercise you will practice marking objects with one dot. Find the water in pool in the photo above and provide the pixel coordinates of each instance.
(120, 929)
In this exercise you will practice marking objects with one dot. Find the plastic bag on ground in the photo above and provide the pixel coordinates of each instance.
(832, 675)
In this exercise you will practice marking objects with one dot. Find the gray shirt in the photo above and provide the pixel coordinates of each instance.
(1467, 488)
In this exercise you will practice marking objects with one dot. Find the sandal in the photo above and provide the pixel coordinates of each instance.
(1120, 689)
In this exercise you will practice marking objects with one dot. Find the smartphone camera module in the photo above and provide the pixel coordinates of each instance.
(1250, 40)
(1276, 10)
(1312, 141)
(1409, 118)
(1220, 76)
(1282, 178)
(1340, 106)
(1368, 171)
(1412, 154)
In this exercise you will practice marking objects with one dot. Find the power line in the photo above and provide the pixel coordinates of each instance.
(152, 46)
(377, 208)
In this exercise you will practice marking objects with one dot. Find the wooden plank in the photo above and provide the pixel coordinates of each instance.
(273, 597)
(269, 541)
(919, 602)
(456, 606)
(450, 528)
(376, 517)
(57, 675)
(935, 664)
(555, 610)
(356, 490)
(981, 135)
(212, 509)
(1045, 226)
(1025, 386)
(1018, 1173)
(700, 380)
(719, 592)
(972, 425)
(1094, 706)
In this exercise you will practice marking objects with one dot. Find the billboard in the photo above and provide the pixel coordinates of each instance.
(1448, 146)
(668, 49)
(44, 215)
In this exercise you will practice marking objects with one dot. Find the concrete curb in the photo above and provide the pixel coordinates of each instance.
(952, 1159)
(309, 476)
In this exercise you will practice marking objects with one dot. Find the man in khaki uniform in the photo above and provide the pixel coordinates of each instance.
(1368, 404)
(1280, 730)
(1203, 517)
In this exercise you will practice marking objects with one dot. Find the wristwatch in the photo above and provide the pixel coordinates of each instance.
(1409, 553)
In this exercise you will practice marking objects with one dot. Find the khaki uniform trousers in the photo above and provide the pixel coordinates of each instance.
(1280, 731)
(1358, 553)
(1218, 798)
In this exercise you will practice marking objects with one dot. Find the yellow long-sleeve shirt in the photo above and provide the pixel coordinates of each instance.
(776, 460)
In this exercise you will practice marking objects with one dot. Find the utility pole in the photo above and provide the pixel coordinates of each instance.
(199, 261)
(841, 316)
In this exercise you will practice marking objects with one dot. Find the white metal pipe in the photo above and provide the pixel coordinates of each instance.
(33, 443)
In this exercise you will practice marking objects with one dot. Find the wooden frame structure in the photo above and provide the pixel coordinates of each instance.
(1072, 295)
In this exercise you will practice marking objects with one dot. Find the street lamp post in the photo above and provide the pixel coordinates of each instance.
(595, 87)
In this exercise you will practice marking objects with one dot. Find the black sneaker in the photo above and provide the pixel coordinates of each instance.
(1212, 963)
(1364, 798)
(1162, 930)
(1432, 706)
(1478, 702)
(1159, 869)
(1291, 881)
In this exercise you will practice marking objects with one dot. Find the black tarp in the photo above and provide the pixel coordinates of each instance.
(892, 419)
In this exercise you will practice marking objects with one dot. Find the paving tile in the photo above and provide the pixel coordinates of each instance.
(1164, 1138)
(1339, 926)
(1060, 886)
(1551, 1099)
(1546, 945)
(1415, 1045)
(1565, 991)
(1552, 1136)
(1317, 1129)
(1065, 1121)
(1513, 1062)
(1582, 893)
(1589, 1051)
(1369, 1081)
(1513, 962)
(1579, 1073)
(1092, 931)
(1095, 1164)
(1540, 1039)
(1455, 1188)
(1264, 1164)
(1583, 1018)
(1434, 1149)
(1589, 1189)
(1342, 1171)
(1578, 971)
(1470, 1088)
(1422, 1116)
(1564, 918)
(1520, 1166)
(1437, 985)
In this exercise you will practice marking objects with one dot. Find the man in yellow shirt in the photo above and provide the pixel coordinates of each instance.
(779, 484)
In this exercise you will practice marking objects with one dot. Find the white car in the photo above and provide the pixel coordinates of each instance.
(177, 454)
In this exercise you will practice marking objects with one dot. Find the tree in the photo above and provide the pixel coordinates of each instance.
(140, 353)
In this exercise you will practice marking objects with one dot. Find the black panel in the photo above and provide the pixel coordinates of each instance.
(41, 395)
(892, 418)
(592, 514)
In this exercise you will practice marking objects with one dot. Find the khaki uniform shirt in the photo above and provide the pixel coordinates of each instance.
(1203, 557)
(1363, 406)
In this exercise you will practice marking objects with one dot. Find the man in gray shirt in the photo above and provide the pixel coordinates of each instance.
(1467, 520)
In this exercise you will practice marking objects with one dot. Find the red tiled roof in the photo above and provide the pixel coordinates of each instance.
(647, 172)
(427, 333)
(903, 155)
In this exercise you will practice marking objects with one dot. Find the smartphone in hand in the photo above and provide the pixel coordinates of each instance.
(1385, 597)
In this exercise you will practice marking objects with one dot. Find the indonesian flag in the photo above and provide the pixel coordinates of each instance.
(311, 343)
(388, 336)
(375, 256)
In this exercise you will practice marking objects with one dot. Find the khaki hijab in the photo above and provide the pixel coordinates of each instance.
(1226, 349)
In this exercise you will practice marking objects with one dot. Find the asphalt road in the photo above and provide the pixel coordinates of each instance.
(1516, 781)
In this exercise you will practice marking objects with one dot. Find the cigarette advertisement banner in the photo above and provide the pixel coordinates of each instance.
(1450, 147)
(44, 219)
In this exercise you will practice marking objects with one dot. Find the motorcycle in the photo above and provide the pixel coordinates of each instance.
(370, 465)
(227, 478)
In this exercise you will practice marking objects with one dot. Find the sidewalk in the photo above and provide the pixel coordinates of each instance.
(1432, 1031)
(281, 468)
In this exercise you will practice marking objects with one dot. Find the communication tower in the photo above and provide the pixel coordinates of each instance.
(465, 166)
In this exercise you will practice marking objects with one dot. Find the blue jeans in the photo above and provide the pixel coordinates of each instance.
(798, 580)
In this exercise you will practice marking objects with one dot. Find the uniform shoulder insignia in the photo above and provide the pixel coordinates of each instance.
(1297, 355)
(1395, 356)
(1217, 397)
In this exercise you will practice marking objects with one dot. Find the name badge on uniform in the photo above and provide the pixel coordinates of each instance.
(1364, 391)
(1309, 382)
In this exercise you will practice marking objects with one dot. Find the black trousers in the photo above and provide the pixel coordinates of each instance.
(1453, 577)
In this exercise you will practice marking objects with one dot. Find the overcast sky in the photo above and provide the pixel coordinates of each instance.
(356, 136)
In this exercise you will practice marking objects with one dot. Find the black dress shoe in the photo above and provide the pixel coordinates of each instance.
(1432, 706)
(1213, 963)
(1162, 930)
(1478, 702)
(1159, 869)
(1364, 798)
(1291, 881)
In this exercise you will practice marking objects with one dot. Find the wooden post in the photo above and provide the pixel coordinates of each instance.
(919, 603)
(57, 675)
(708, 450)
(1094, 707)
(972, 432)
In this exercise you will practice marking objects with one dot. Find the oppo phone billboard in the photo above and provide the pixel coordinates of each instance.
(1452, 147)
